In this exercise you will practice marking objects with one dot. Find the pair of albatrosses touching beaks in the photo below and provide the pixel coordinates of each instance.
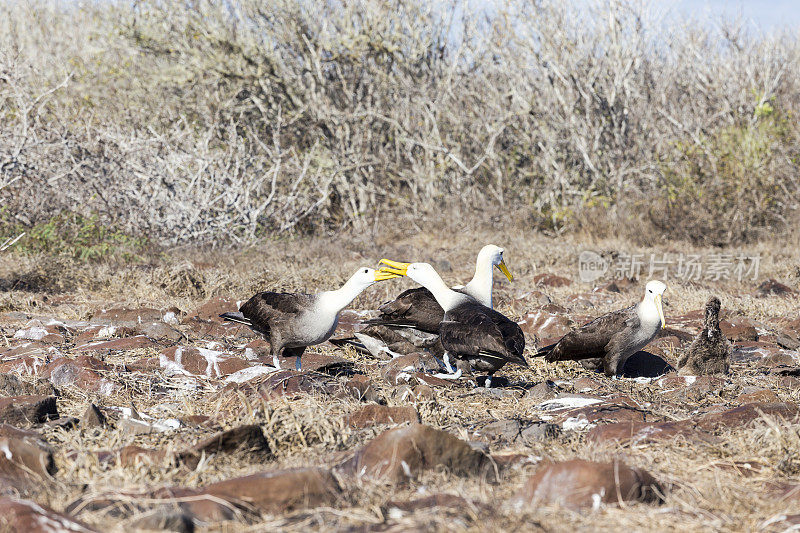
(469, 331)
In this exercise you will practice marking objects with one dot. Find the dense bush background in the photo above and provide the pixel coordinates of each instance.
(197, 122)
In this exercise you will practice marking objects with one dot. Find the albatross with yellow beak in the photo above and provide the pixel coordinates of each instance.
(417, 308)
(291, 321)
(469, 331)
(613, 337)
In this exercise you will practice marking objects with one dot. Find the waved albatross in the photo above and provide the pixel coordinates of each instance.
(469, 331)
(417, 308)
(613, 337)
(292, 320)
(710, 351)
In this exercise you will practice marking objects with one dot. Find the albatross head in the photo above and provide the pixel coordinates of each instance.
(652, 296)
(364, 277)
(493, 255)
(422, 273)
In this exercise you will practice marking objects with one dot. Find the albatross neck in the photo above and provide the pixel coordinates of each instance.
(334, 301)
(445, 296)
(480, 287)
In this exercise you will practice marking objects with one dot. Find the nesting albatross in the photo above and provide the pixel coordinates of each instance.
(291, 321)
(417, 308)
(613, 337)
(469, 331)
(710, 351)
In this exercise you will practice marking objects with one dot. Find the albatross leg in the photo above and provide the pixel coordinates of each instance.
(297, 363)
(488, 383)
(275, 361)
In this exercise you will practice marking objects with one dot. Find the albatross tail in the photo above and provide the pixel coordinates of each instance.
(236, 317)
(546, 352)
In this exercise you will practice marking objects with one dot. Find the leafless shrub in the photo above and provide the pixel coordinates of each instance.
(237, 120)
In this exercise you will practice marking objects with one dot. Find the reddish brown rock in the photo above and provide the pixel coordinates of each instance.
(191, 361)
(690, 388)
(214, 307)
(373, 415)
(280, 491)
(83, 371)
(26, 462)
(760, 395)
(159, 331)
(30, 517)
(45, 334)
(543, 324)
(361, 388)
(643, 433)
(315, 362)
(28, 451)
(397, 454)
(27, 410)
(537, 298)
(551, 280)
(773, 287)
(739, 329)
(579, 484)
(746, 414)
(135, 455)
(124, 316)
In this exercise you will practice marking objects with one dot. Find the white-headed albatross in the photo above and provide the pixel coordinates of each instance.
(291, 320)
(469, 331)
(613, 337)
(417, 308)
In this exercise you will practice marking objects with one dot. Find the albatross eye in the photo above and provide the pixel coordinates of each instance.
(366, 271)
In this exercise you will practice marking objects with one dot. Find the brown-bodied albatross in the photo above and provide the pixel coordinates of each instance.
(710, 351)
(417, 308)
(291, 321)
(469, 331)
(613, 337)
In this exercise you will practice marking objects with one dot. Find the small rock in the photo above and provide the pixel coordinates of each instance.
(27, 410)
(758, 395)
(280, 491)
(739, 329)
(551, 280)
(773, 287)
(546, 390)
(398, 454)
(579, 484)
(93, 417)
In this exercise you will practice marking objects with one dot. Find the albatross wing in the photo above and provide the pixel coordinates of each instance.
(592, 339)
(414, 308)
(477, 331)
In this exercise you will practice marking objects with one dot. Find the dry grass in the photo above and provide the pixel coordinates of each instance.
(704, 494)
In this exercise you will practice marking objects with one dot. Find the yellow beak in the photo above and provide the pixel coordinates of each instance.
(384, 274)
(394, 267)
(660, 310)
(504, 270)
